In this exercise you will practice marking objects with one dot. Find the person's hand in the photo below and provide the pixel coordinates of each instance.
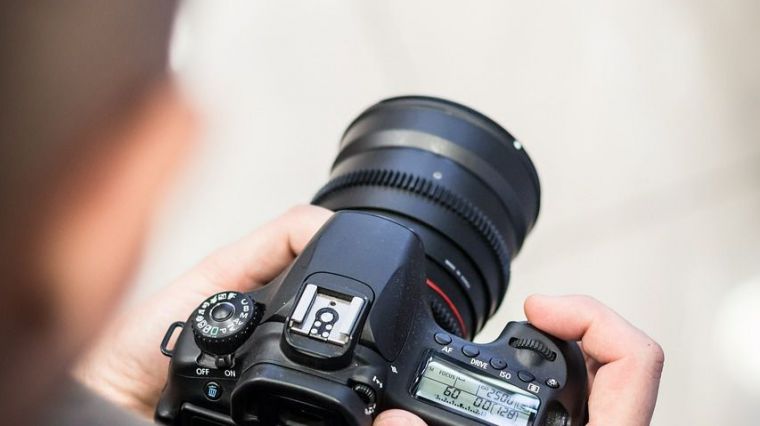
(126, 366)
(624, 364)
(398, 418)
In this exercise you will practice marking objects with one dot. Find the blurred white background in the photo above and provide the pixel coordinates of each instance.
(642, 118)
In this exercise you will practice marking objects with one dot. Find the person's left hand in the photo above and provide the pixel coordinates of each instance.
(126, 367)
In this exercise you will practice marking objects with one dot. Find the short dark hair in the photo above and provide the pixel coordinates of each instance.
(65, 67)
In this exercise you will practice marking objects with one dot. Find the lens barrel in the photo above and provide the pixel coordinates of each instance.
(458, 180)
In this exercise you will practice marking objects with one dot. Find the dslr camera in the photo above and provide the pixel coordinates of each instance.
(433, 200)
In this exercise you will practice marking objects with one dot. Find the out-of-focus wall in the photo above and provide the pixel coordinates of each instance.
(641, 116)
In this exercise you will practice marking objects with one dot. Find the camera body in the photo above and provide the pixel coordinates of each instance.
(345, 333)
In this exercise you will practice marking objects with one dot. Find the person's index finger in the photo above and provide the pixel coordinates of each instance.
(606, 336)
(624, 389)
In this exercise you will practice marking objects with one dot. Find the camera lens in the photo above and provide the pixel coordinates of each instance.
(458, 180)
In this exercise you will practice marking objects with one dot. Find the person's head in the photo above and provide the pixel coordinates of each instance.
(91, 128)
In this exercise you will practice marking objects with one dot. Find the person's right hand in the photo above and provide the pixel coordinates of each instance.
(624, 364)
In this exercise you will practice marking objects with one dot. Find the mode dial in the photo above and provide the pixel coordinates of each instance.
(223, 322)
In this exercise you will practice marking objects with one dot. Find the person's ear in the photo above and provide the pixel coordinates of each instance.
(102, 216)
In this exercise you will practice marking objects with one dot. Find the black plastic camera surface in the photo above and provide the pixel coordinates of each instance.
(344, 333)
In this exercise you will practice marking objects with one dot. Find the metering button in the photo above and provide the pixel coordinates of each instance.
(526, 376)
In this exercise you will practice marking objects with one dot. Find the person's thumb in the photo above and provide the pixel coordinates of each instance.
(398, 418)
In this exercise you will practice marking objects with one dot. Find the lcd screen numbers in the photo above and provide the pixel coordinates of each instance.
(476, 396)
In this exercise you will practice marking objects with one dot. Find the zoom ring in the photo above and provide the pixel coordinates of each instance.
(433, 192)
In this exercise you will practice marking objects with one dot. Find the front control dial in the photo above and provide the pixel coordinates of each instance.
(223, 322)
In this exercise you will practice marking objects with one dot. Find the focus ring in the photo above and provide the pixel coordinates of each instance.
(433, 192)
(445, 318)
